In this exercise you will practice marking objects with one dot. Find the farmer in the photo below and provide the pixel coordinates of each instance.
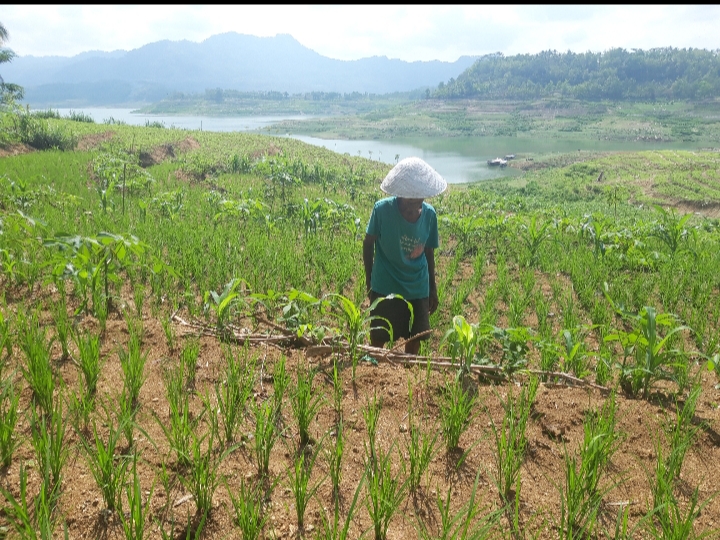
(399, 253)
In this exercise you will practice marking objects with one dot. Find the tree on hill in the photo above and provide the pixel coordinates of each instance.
(8, 92)
(666, 73)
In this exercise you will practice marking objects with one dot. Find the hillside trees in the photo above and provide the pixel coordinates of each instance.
(8, 92)
(666, 73)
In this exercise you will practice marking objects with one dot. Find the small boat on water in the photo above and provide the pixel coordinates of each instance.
(497, 162)
(509, 157)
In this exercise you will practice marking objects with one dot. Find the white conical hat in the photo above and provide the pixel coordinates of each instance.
(412, 178)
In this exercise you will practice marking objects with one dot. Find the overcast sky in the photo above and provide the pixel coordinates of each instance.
(351, 32)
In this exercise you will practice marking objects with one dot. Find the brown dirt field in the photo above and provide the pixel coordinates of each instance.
(15, 149)
(88, 142)
(555, 426)
(163, 152)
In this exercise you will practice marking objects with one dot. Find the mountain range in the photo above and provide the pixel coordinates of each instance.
(228, 61)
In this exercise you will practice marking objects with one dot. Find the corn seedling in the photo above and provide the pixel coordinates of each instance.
(265, 435)
(133, 523)
(299, 482)
(456, 412)
(108, 469)
(581, 495)
(9, 401)
(386, 492)
(647, 358)
(305, 403)
(224, 304)
(465, 341)
(90, 362)
(37, 370)
(510, 439)
(249, 512)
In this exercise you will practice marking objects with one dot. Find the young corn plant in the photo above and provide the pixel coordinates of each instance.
(225, 304)
(299, 483)
(305, 403)
(386, 492)
(108, 469)
(465, 341)
(581, 495)
(9, 401)
(511, 441)
(37, 370)
(249, 509)
(456, 412)
(265, 436)
(356, 322)
(647, 358)
(133, 522)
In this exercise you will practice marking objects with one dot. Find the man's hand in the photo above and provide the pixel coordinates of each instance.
(434, 302)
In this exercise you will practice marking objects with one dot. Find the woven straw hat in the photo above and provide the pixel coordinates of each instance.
(412, 178)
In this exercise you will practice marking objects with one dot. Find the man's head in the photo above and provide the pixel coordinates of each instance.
(410, 209)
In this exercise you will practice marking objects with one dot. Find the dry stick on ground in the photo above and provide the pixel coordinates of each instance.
(390, 356)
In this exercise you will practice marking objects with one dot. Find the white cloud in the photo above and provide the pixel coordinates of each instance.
(349, 32)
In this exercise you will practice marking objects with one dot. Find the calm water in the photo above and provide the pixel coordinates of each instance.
(458, 159)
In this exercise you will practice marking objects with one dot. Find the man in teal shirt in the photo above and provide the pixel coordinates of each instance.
(399, 253)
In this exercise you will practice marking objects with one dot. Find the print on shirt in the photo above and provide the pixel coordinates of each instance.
(411, 247)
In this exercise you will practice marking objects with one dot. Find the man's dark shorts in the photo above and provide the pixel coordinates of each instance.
(397, 312)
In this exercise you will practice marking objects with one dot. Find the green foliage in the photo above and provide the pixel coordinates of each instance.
(305, 402)
(457, 408)
(42, 135)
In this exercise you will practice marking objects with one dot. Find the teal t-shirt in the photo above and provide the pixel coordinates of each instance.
(400, 266)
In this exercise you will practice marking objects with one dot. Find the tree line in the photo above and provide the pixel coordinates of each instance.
(661, 73)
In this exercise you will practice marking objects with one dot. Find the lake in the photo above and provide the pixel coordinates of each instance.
(458, 159)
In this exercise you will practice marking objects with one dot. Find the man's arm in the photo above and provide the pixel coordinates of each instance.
(430, 256)
(368, 256)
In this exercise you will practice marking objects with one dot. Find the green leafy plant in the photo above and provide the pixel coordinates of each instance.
(465, 341)
(647, 358)
(226, 303)
(420, 447)
(132, 362)
(181, 427)
(37, 370)
(371, 414)
(234, 391)
(189, 357)
(203, 480)
(90, 362)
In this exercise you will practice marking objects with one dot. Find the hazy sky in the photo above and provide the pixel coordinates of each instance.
(351, 32)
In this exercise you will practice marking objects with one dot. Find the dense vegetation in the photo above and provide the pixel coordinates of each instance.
(617, 74)
(565, 275)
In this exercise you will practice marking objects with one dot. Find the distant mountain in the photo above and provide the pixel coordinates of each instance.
(228, 61)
